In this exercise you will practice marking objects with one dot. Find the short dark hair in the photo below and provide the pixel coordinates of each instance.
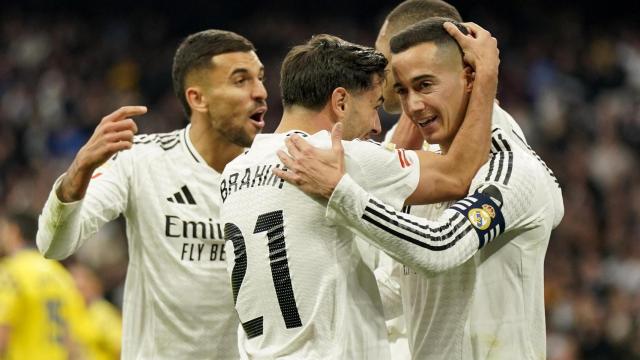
(26, 223)
(430, 30)
(195, 53)
(310, 72)
(412, 11)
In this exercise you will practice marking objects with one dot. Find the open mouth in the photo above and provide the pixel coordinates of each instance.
(257, 117)
(428, 120)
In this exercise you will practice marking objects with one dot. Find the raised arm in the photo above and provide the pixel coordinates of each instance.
(74, 211)
(114, 133)
(442, 177)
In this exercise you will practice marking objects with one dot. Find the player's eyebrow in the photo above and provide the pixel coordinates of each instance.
(244, 71)
(422, 77)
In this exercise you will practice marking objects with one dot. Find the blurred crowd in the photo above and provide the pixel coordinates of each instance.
(572, 83)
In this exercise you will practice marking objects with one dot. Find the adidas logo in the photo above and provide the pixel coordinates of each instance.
(182, 197)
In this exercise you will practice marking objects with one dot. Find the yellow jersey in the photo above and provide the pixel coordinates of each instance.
(107, 321)
(41, 304)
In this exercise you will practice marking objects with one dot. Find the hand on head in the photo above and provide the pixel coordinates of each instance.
(479, 47)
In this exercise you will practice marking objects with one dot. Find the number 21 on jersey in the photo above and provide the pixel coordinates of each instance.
(273, 223)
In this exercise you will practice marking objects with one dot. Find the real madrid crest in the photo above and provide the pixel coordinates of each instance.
(490, 210)
(480, 217)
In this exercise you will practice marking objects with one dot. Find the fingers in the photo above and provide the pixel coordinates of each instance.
(125, 135)
(474, 29)
(336, 138)
(298, 147)
(126, 124)
(292, 146)
(288, 176)
(455, 33)
(286, 160)
(114, 147)
(124, 112)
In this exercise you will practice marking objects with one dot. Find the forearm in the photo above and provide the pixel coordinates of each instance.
(424, 245)
(471, 145)
(64, 226)
(75, 182)
(59, 230)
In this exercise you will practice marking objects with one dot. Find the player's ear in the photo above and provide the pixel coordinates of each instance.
(339, 100)
(469, 76)
(196, 99)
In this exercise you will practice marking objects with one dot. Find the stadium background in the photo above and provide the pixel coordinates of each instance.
(570, 75)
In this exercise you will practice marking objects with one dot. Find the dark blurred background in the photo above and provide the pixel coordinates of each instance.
(570, 76)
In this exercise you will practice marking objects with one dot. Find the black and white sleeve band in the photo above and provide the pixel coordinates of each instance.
(427, 245)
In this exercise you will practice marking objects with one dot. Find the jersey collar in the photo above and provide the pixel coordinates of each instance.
(191, 150)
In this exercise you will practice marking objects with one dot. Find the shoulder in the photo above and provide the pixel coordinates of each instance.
(512, 167)
(365, 148)
(158, 142)
(150, 145)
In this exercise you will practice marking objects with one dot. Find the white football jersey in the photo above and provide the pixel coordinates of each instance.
(177, 299)
(302, 290)
(473, 287)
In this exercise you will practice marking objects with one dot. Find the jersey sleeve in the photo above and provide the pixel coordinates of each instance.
(389, 174)
(499, 201)
(518, 185)
(64, 227)
(388, 273)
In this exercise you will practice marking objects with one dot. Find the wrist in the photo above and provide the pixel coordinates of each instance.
(74, 183)
(486, 73)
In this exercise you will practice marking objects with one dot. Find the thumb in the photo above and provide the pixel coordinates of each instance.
(336, 137)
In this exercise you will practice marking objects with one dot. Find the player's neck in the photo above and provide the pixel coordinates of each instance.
(302, 119)
(216, 150)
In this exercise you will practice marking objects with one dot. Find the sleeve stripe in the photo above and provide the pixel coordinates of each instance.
(411, 232)
(381, 207)
(494, 144)
(509, 168)
(491, 163)
(434, 236)
(166, 141)
(414, 240)
(467, 202)
(500, 149)
(504, 142)
(500, 163)
(510, 164)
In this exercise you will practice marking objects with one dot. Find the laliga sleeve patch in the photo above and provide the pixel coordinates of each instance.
(484, 215)
(402, 157)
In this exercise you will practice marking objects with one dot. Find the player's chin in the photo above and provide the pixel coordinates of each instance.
(249, 135)
(430, 136)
